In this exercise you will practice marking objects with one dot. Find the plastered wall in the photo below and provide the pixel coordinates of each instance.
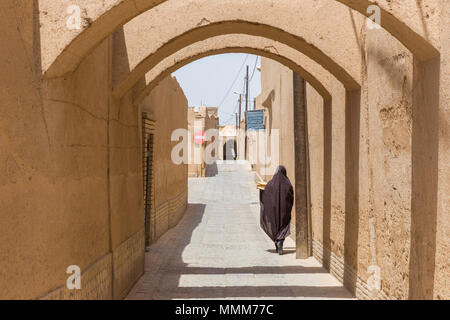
(167, 106)
(54, 203)
(71, 171)
(70, 161)
(368, 190)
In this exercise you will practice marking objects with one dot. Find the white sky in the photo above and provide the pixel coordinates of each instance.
(209, 79)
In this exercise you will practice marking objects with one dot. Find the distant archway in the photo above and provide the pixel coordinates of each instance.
(230, 149)
(230, 27)
(154, 79)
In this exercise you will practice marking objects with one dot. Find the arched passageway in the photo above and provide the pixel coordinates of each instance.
(296, 62)
(230, 149)
(229, 27)
(416, 33)
(237, 260)
(375, 121)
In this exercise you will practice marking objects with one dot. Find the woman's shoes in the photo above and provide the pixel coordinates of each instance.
(279, 246)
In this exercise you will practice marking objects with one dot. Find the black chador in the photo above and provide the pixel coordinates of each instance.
(276, 204)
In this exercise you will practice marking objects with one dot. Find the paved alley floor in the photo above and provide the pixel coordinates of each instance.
(218, 250)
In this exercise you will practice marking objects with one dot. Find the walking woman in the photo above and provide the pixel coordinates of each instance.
(277, 200)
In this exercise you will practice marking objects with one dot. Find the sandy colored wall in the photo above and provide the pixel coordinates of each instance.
(317, 149)
(196, 167)
(204, 120)
(53, 142)
(360, 167)
(368, 186)
(227, 142)
(70, 160)
(363, 174)
(167, 106)
(71, 178)
(442, 276)
(386, 123)
(276, 99)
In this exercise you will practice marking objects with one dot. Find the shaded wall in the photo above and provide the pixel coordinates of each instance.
(71, 171)
(54, 204)
(167, 106)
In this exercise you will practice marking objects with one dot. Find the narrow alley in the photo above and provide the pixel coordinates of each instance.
(136, 135)
(218, 250)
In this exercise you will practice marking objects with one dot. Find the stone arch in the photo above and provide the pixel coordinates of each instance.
(405, 22)
(230, 27)
(318, 78)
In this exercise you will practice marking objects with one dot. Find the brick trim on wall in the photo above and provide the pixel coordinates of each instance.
(127, 260)
(167, 215)
(336, 266)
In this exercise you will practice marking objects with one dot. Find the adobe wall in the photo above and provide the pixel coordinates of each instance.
(201, 119)
(386, 124)
(360, 167)
(416, 24)
(70, 172)
(195, 166)
(167, 106)
(276, 99)
(70, 160)
(361, 170)
(442, 276)
(227, 142)
(54, 204)
(363, 217)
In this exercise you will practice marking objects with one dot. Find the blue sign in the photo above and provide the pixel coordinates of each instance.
(255, 120)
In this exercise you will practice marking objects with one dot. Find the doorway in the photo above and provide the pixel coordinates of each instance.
(148, 131)
(229, 150)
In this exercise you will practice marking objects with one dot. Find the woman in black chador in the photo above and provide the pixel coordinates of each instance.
(276, 205)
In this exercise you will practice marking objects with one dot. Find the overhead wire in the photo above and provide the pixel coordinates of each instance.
(234, 81)
(236, 107)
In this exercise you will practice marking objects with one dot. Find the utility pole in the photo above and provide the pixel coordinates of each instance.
(246, 109)
(246, 94)
(236, 138)
(240, 103)
(254, 104)
(238, 128)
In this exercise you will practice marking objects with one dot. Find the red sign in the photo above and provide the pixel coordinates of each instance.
(199, 137)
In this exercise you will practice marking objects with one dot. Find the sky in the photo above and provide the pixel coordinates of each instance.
(212, 81)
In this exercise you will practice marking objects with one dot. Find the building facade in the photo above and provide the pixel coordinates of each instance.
(203, 126)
